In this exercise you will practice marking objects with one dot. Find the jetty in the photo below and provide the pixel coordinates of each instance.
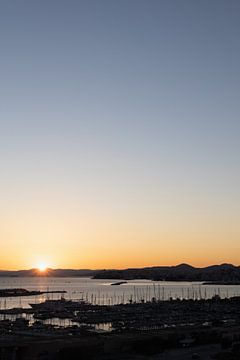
(11, 292)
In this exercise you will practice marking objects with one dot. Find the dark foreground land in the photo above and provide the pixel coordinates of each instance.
(168, 344)
(158, 330)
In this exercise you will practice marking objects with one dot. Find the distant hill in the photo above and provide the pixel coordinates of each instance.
(224, 273)
(49, 272)
(182, 272)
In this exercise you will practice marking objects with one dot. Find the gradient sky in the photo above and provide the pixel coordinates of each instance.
(119, 132)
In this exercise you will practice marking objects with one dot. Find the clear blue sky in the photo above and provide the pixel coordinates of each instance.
(119, 131)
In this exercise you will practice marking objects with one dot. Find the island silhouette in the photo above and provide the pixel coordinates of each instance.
(219, 274)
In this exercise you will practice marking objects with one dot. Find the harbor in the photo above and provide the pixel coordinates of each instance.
(100, 291)
(92, 317)
(135, 314)
(170, 329)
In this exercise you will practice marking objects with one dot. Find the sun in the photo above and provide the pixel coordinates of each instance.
(42, 267)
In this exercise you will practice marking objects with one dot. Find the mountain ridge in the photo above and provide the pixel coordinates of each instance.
(181, 272)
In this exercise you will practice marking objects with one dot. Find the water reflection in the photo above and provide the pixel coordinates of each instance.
(101, 292)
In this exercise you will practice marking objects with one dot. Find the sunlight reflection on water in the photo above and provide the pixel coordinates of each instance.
(101, 292)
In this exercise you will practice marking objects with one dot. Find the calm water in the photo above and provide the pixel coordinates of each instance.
(101, 291)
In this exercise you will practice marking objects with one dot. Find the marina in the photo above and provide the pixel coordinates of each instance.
(83, 308)
(100, 292)
(154, 314)
(65, 328)
(132, 305)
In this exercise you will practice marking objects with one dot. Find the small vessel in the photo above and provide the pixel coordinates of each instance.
(119, 283)
(60, 305)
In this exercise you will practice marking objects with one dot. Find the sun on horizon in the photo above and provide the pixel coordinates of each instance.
(42, 267)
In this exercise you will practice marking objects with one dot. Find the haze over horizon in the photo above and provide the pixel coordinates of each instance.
(119, 133)
(46, 271)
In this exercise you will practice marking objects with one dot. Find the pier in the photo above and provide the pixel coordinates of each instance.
(24, 292)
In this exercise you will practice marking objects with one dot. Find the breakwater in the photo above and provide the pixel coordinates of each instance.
(12, 292)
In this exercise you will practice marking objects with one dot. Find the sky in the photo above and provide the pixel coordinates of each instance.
(119, 133)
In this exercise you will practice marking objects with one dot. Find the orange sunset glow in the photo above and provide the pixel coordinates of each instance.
(119, 179)
(119, 137)
(42, 268)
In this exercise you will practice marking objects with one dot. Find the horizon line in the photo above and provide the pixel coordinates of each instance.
(125, 268)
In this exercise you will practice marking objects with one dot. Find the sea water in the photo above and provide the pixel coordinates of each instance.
(100, 291)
